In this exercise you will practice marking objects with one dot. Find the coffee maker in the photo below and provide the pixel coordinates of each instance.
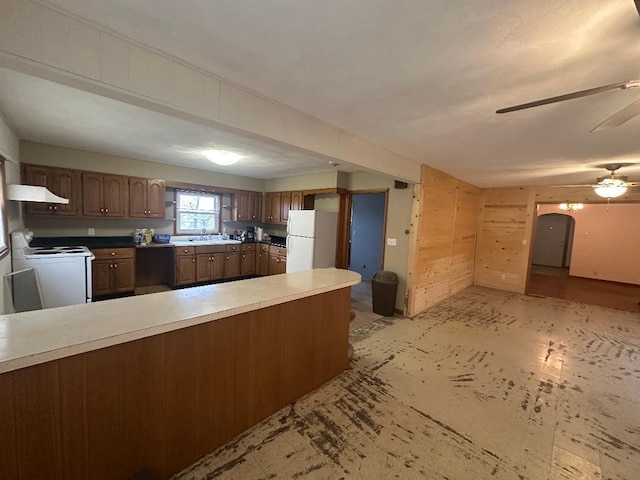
(251, 234)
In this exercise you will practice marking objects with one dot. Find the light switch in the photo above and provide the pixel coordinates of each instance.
(91, 231)
(391, 242)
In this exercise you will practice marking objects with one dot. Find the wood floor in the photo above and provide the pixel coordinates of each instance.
(557, 283)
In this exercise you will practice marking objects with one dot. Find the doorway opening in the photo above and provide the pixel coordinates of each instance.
(367, 220)
(553, 244)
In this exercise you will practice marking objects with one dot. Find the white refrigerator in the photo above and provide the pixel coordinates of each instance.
(311, 240)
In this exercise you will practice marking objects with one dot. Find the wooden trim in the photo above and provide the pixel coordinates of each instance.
(342, 240)
(416, 220)
(318, 191)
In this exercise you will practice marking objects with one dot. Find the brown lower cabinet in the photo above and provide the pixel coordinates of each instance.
(277, 260)
(185, 265)
(209, 262)
(262, 260)
(247, 259)
(113, 271)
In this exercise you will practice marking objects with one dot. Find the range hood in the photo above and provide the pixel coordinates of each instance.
(32, 193)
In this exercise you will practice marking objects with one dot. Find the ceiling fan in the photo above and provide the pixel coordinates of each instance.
(612, 185)
(614, 120)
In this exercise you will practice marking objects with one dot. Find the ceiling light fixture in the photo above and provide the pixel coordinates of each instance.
(571, 207)
(610, 188)
(222, 157)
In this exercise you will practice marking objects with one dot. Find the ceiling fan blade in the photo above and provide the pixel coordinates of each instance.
(571, 186)
(571, 96)
(622, 116)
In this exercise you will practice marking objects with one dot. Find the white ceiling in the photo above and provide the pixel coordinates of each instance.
(422, 78)
(48, 112)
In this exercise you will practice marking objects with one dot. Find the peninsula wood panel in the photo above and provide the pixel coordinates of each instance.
(445, 223)
(164, 401)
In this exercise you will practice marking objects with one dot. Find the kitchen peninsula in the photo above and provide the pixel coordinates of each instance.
(107, 389)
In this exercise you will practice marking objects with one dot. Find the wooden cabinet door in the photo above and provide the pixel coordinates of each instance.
(232, 265)
(92, 194)
(66, 184)
(275, 206)
(296, 201)
(40, 176)
(217, 265)
(248, 263)
(267, 207)
(263, 263)
(255, 206)
(113, 195)
(123, 275)
(137, 197)
(203, 267)
(241, 201)
(155, 199)
(185, 270)
(101, 277)
(285, 206)
(274, 264)
(282, 265)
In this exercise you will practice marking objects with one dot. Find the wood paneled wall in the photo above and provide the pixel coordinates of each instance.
(443, 242)
(165, 401)
(507, 226)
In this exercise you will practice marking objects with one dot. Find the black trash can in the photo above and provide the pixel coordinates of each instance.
(384, 286)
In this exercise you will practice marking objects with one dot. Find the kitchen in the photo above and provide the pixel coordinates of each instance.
(156, 267)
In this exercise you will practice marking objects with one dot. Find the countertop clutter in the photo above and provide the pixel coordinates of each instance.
(31, 338)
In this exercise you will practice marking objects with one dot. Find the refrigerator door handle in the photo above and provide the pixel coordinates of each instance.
(287, 243)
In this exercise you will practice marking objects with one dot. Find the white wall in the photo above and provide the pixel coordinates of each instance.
(9, 150)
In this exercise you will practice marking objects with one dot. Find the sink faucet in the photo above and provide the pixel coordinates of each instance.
(203, 235)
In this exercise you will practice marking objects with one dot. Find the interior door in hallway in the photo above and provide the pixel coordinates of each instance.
(367, 233)
(552, 240)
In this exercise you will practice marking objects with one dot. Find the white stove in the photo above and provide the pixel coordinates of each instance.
(64, 273)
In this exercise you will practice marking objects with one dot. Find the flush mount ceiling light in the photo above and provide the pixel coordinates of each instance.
(222, 157)
(571, 207)
(611, 187)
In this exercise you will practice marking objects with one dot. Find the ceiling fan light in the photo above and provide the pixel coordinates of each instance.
(222, 157)
(610, 190)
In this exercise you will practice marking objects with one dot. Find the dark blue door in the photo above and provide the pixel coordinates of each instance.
(367, 233)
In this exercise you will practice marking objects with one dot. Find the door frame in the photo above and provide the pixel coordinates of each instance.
(344, 247)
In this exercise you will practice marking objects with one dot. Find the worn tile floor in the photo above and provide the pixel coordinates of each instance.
(487, 384)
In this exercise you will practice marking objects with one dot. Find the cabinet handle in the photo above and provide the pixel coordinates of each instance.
(101, 210)
(55, 208)
(193, 260)
(115, 265)
(227, 258)
(243, 256)
(111, 265)
(106, 210)
(185, 251)
(113, 254)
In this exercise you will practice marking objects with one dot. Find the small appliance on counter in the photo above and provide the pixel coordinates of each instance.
(250, 235)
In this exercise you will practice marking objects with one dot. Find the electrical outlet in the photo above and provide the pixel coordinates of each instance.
(391, 242)
(91, 231)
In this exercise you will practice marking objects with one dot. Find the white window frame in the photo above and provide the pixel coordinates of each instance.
(216, 228)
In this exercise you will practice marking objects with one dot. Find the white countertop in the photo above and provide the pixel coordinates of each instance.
(31, 338)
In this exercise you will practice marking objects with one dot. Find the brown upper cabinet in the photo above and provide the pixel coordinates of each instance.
(247, 206)
(272, 207)
(146, 198)
(61, 181)
(103, 195)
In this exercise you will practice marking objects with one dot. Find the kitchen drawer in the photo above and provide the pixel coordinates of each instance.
(234, 247)
(248, 247)
(183, 251)
(264, 247)
(275, 250)
(107, 253)
(210, 249)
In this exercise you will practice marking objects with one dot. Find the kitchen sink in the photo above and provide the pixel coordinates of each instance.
(186, 243)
